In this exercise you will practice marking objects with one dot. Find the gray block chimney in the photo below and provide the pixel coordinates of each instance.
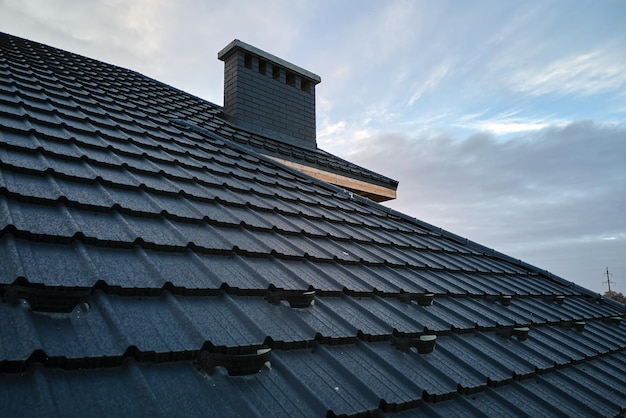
(267, 95)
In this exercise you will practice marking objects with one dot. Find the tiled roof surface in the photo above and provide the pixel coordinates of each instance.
(84, 90)
(146, 255)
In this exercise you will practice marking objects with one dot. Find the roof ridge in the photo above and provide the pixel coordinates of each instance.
(369, 173)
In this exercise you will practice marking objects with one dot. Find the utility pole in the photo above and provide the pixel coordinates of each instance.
(608, 280)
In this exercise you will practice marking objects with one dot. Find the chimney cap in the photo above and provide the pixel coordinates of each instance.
(237, 44)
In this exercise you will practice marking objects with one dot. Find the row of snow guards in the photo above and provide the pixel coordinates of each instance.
(159, 269)
(422, 349)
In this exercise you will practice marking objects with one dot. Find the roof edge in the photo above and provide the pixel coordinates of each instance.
(496, 254)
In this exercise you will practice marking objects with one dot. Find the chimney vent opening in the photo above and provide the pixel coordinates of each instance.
(262, 67)
(247, 61)
(276, 72)
(291, 79)
(306, 86)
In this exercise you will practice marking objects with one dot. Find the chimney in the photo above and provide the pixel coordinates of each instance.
(269, 96)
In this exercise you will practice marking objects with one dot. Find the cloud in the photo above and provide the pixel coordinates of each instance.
(434, 78)
(175, 42)
(581, 74)
(552, 195)
(507, 123)
(135, 26)
(330, 129)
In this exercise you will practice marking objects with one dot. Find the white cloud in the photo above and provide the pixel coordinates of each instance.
(343, 139)
(507, 122)
(511, 125)
(581, 74)
(433, 80)
(135, 25)
(330, 129)
(132, 34)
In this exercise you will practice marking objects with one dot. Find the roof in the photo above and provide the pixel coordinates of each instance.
(154, 263)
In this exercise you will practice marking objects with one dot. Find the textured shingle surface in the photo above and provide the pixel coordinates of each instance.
(141, 252)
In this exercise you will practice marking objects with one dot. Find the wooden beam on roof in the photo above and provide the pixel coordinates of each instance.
(371, 191)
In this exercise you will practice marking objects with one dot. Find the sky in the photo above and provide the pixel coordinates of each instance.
(503, 121)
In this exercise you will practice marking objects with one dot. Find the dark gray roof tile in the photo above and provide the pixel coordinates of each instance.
(31, 185)
(204, 236)
(231, 269)
(108, 227)
(66, 149)
(117, 266)
(117, 175)
(54, 220)
(102, 155)
(66, 265)
(159, 231)
(174, 205)
(135, 200)
(155, 182)
(12, 267)
(15, 122)
(342, 392)
(214, 211)
(68, 167)
(118, 144)
(258, 243)
(67, 111)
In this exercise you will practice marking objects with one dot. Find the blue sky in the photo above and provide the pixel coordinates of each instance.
(504, 121)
